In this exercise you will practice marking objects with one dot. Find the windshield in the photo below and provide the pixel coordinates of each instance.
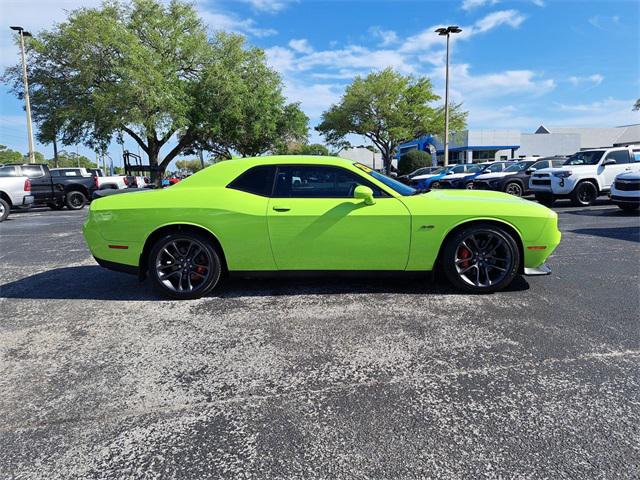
(401, 188)
(421, 171)
(518, 167)
(585, 158)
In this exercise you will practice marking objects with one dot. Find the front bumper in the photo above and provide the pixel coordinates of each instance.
(541, 270)
(624, 199)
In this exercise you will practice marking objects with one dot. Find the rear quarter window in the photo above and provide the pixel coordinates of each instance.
(257, 180)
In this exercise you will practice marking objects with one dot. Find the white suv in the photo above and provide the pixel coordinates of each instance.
(584, 175)
(625, 191)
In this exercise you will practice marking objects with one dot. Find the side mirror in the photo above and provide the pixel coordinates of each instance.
(530, 170)
(609, 161)
(364, 193)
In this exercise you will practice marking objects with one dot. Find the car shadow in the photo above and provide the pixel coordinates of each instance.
(631, 234)
(96, 283)
(610, 212)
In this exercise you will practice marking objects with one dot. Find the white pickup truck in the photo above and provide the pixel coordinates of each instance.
(585, 175)
(14, 192)
(116, 182)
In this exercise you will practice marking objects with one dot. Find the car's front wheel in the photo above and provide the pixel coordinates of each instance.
(513, 188)
(481, 258)
(184, 266)
(469, 186)
(584, 194)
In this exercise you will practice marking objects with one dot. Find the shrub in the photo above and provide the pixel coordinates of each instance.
(413, 160)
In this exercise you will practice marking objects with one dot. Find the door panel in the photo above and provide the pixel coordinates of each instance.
(339, 234)
(40, 183)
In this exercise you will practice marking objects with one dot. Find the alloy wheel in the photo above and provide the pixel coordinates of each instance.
(184, 265)
(483, 259)
(514, 189)
(586, 193)
(2, 210)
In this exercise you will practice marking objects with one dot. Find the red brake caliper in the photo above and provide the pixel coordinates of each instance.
(464, 253)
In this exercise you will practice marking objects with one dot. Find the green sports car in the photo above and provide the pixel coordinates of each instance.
(298, 213)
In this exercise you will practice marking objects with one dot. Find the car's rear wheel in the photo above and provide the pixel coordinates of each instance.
(469, 186)
(4, 210)
(545, 199)
(584, 194)
(513, 188)
(75, 200)
(435, 184)
(184, 266)
(481, 258)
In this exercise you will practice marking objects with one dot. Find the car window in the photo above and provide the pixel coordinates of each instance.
(496, 167)
(8, 171)
(558, 163)
(458, 169)
(55, 173)
(585, 158)
(540, 165)
(518, 167)
(319, 181)
(636, 156)
(620, 156)
(32, 171)
(257, 180)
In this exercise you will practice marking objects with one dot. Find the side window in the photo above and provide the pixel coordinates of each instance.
(32, 171)
(557, 163)
(55, 173)
(313, 181)
(540, 165)
(495, 168)
(257, 180)
(620, 156)
(636, 156)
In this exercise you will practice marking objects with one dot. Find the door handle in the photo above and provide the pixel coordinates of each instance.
(281, 209)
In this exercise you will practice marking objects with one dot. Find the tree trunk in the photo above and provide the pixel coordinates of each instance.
(156, 174)
(55, 151)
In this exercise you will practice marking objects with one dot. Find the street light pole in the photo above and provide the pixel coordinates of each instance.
(447, 32)
(23, 33)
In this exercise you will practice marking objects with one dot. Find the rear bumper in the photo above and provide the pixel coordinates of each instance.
(28, 200)
(117, 267)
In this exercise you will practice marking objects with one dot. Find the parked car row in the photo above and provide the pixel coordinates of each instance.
(26, 185)
(582, 177)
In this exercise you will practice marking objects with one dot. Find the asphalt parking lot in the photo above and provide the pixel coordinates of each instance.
(363, 378)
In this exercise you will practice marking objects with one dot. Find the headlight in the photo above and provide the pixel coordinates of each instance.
(563, 174)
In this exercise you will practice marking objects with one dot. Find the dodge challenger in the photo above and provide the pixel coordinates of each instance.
(299, 213)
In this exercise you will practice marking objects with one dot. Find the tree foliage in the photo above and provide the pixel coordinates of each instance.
(148, 70)
(9, 156)
(412, 160)
(187, 165)
(637, 105)
(294, 148)
(388, 108)
(70, 159)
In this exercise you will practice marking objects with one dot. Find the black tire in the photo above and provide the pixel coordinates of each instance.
(468, 186)
(75, 200)
(435, 184)
(56, 206)
(174, 255)
(545, 199)
(4, 209)
(584, 194)
(514, 188)
(493, 258)
(628, 207)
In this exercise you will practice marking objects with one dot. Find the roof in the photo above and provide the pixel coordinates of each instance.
(598, 137)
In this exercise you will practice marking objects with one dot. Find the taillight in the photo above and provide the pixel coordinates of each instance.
(27, 185)
(95, 181)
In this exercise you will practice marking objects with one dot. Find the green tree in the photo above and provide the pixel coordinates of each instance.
(295, 148)
(148, 71)
(70, 159)
(387, 108)
(413, 160)
(9, 156)
(637, 105)
(187, 165)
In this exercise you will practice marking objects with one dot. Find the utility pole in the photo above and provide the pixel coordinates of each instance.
(22, 33)
(447, 32)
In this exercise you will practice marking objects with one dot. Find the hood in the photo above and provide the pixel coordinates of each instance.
(634, 176)
(493, 176)
(455, 176)
(425, 177)
(564, 168)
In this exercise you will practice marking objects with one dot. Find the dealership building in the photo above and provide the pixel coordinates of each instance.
(473, 146)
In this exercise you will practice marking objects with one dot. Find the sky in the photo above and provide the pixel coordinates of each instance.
(516, 64)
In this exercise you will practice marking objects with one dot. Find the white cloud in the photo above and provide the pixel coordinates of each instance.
(268, 5)
(300, 46)
(607, 112)
(595, 79)
(471, 4)
(222, 21)
(538, 3)
(314, 98)
(602, 22)
(386, 37)
(428, 38)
